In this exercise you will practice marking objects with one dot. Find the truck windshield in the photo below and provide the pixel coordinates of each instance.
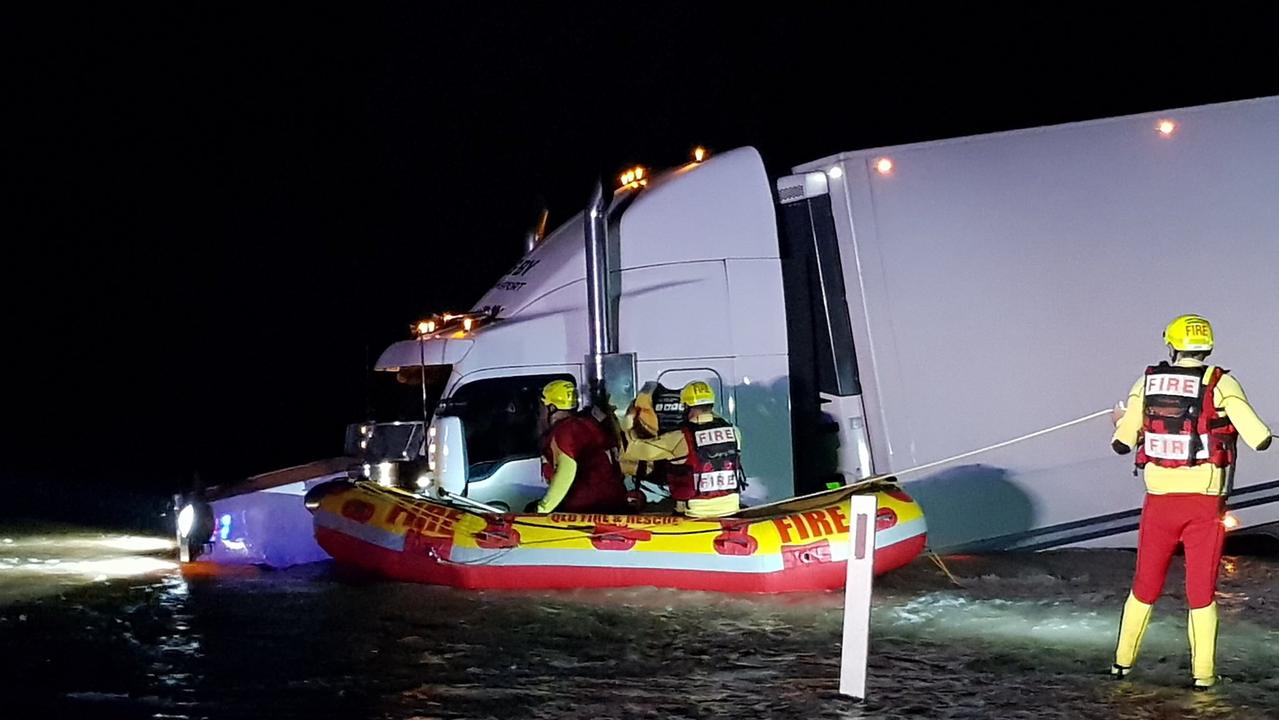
(397, 396)
(398, 411)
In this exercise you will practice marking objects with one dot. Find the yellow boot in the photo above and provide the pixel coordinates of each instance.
(1132, 628)
(1202, 629)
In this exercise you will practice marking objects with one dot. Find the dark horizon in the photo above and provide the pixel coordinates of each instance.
(224, 215)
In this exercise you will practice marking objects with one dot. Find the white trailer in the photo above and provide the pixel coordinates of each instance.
(1005, 283)
(884, 309)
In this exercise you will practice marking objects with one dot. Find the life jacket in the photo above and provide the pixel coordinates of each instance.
(713, 467)
(1181, 426)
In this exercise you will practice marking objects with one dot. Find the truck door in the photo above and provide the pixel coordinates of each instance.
(503, 440)
(827, 415)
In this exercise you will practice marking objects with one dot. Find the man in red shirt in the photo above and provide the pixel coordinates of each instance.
(579, 458)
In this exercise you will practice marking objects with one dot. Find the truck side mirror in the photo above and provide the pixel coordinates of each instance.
(446, 455)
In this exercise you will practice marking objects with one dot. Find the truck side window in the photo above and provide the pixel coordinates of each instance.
(500, 416)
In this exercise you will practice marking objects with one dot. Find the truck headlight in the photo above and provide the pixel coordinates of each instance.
(186, 520)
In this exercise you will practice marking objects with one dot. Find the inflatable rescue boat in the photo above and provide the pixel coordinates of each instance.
(795, 545)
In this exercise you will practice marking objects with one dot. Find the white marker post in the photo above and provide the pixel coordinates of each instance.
(861, 565)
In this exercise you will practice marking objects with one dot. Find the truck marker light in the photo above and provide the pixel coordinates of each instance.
(1230, 521)
(633, 177)
(1166, 128)
(884, 166)
(835, 173)
(699, 153)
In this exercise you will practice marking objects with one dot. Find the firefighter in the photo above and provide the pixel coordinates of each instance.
(709, 482)
(1184, 418)
(579, 457)
(653, 440)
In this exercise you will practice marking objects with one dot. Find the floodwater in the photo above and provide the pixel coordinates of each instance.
(95, 625)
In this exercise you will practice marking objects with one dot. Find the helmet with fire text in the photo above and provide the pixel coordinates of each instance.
(697, 393)
(1189, 333)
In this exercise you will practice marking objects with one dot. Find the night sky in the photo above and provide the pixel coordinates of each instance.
(218, 217)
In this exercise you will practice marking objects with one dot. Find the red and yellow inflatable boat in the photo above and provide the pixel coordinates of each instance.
(795, 545)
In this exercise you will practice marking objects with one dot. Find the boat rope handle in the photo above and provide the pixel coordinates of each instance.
(590, 531)
(434, 555)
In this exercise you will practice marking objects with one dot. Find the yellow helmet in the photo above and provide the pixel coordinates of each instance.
(560, 394)
(696, 393)
(1189, 333)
